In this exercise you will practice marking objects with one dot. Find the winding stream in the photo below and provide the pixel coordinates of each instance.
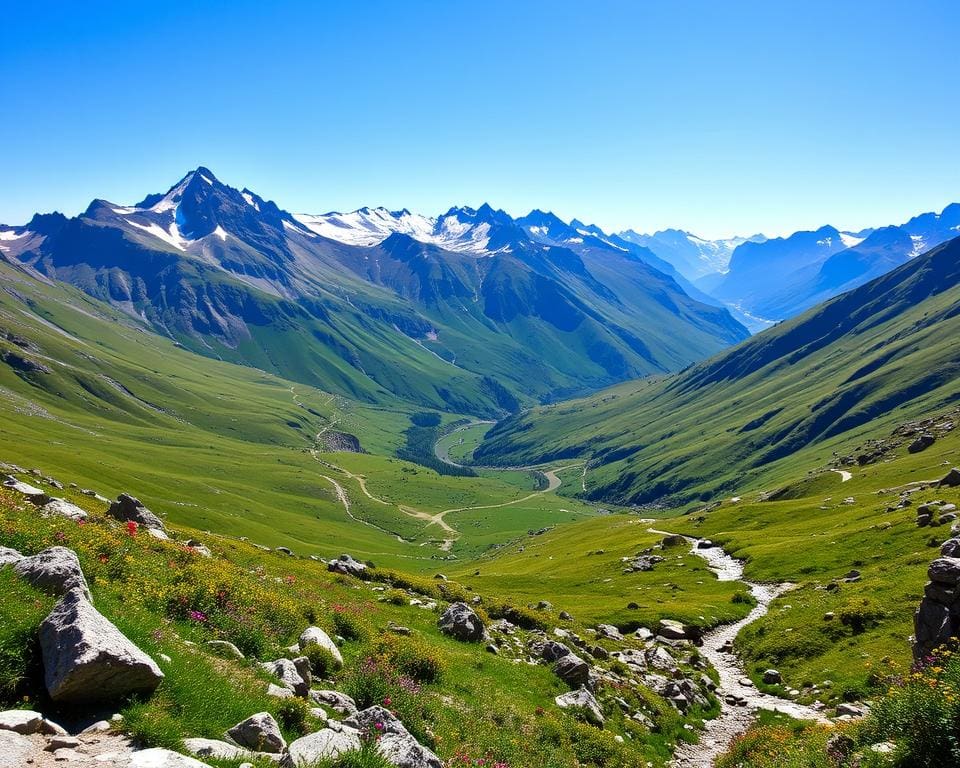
(734, 719)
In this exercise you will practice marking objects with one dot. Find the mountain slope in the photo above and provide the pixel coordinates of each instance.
(782, 277)
(883, 350)
(476, 321)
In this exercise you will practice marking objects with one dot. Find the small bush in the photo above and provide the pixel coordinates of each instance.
(351, 626)
(292, 715)
(396, 597)
(522, 617)
(412, 657)
(921, 714)
(322, 662)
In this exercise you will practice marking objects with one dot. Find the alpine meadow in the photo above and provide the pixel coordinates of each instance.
(415, 385)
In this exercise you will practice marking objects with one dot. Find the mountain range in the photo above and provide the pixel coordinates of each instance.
(473, 311)
(886, 350)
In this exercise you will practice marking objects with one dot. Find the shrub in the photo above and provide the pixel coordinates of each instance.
(412, 657)
(322, 662)
(921, 713)
(860, 615)
(375, 681)
(292, 715)
(349, 625)
(522, 617)
(396, 597)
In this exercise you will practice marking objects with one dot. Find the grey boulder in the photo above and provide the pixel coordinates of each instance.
(129, 509)
(573, 670)
(347, 565)
(63, 508)
(337, 701)
(259, 732)
(460, 621)
(583, 701)
(55, 570)
(86, 658)
(286, 671)
(8, 556)
(394, 743)
(325, 744)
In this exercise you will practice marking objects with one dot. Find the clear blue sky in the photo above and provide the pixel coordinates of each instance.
(719, 117)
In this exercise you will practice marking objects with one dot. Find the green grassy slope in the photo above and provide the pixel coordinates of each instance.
(784, 399)
(220, 446)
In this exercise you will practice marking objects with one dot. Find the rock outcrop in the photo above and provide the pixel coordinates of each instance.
(286, 671)
(322, 745)
(938, 617)
(584, 702)
(86, 658)
(347, 565)
(460, 621)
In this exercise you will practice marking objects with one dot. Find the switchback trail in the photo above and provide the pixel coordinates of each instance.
(739, 698)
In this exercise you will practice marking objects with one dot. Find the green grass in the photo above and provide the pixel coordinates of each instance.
(466, 703)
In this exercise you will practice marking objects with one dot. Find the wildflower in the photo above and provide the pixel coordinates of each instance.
(197, 615)
(379, 726)
(132, 527)
(387, 701)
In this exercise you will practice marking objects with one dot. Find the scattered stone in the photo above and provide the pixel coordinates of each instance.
(316, 636)
(85, 657)
(160, 758)
(573, 670)
(583, 701)
(772, 677)
(8, 556)
(460, 621)
(22, 721)
(55, 570)
(34, 495)
(286, 671)
(851, 710)
(225, 649)
(63, 508)
(129, 509)
(609, 631)
(218, 750)
(922, 442)
(347, 565)
(564, 616)
(325, 744)
(259, 732)
(951, 479)
(394, 742)
(337, 701)
(279, 692)
(672, 630)
(16, 749)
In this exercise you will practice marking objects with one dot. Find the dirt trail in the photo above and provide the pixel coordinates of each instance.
(734, 719)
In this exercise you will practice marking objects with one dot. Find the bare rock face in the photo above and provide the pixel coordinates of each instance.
(127, 508)
(460, 621)
(86, 658)
(259, 732)
(316, 636)
(395, 743)
(55, 570)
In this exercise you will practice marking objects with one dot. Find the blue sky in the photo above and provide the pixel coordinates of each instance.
(721, 118)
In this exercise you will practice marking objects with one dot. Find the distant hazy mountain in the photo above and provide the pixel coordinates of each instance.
(469, 311)
(692, 256)
(779, 278)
